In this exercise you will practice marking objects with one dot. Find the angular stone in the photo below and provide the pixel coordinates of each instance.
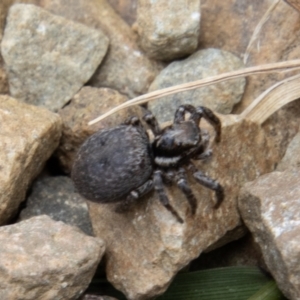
(56, 198)
(48, 58)
(44, 259)
(291, 158)
(270, 208)
(168, 29)
(148, 239)
(86, 105)
(28, 136)
(125, 67)
(204, 63)
(235, 36)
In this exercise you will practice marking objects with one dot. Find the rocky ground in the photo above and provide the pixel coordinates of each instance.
(62, 64)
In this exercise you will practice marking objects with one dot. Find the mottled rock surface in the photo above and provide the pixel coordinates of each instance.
(86, 105)
(203, 63)
(126, 9)
(56, 198)
(4, 5)
(291, 157)
(48, 58)
(44, 259)
(125, 67)
(270, 207)
(269, 47)
(28, 136)
(168, 29)
(168, 246)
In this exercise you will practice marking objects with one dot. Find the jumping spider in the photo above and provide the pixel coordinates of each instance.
(121, 164)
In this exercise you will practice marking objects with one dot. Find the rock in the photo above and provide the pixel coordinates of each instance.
(44, 259)
(204, 63)
(48, 58)
(4, 5)
(148, 240)
(291, 158)
(235, 36)
(28, 136)
(86, 105)
(168, 30)
(269, 47)
(126, 9)
(283, 126)
(125, 67)
(270, 208)
(56, 198)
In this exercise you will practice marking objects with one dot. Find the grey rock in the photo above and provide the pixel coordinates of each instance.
(270, 207)
(204, 63)
(291, 157)
(44, 259)
(125, 67)
(48, 58)
(57, 198)
(28, 136)
(168, 29)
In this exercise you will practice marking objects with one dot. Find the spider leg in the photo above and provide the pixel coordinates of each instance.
(134, 121)
(182, 109)
(135, 195)
(168, 177)
(212, 119)
(202, 152)
(204, 155)
(152, 123)
(209, 183)
(163, 198)
(186, 190)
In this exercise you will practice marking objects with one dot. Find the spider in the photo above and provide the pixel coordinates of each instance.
(121, 164)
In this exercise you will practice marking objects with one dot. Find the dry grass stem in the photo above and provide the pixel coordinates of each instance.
(267, 68)
(272, 99)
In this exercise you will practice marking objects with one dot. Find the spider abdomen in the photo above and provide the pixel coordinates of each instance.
(111, 163)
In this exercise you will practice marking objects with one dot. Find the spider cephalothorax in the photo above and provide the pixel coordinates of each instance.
(121, 164)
